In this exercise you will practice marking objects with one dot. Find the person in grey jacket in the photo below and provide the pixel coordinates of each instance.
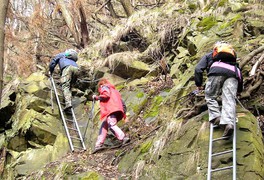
(223, 78)
(68, 70)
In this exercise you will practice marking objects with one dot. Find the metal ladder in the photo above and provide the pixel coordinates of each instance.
(211, 154)
(70, 124)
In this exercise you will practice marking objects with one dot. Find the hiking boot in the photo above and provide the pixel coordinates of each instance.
(99, 147)
(229, 129)
(125, 140)
(67, 109)
(215, 121)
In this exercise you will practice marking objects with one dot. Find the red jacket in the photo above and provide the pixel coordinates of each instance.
(110, 102)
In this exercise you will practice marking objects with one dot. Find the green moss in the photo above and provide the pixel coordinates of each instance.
(91, 176)
(137, 108)
(140, 95)
(236, 18)
(140, 65)
(192, 7)
(222, 3)
(205, 117)
(67, 169)
(145, 147)
(207, 8)
(154, 109)
(181, 11)
(8, 78)
(207, 23)
(121, 86)
(231, 22)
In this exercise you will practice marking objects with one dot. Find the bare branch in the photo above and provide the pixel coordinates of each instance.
(250, 56)
(256, 65)
(101, 7)
(252, 88)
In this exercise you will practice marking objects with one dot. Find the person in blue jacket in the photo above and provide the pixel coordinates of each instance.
(68, 70)
(224, 78)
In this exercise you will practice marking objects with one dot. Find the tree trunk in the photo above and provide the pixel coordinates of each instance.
(83, 25)
(127, 7)
(69, 21)
(3, 11)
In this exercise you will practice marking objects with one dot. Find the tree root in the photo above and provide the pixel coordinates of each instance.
(252, 88)
(188, 112)
(250, 56)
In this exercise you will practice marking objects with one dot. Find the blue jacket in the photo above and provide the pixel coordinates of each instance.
(62, 61)
(205, 64)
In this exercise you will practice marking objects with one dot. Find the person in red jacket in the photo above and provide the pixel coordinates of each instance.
(111, 111)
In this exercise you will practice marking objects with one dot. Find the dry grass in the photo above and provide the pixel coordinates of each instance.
(125, 57)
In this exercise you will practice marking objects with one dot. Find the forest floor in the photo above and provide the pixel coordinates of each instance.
(75, 164)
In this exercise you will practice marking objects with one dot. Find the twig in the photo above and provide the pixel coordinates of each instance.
(149, 134)
(256, 65)
(261, 72)
(252, 88)
(179, 153)
(97, 19)
(101, 7)
(117, 157)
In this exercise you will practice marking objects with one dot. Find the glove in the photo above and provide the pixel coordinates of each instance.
(94, 97)
(194, 92)
(200, 88)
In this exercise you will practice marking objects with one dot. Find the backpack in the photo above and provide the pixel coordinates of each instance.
(224, 52)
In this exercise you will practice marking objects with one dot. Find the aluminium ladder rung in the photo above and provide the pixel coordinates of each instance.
(221, 169)
(221, 138)
(70, 120)
(77, 147)
(75, 138)
(72, 129)
(221, 153)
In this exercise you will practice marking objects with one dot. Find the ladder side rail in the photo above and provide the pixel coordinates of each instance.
(78, 129)
(62, 116)
(210, 152)
(234, 151)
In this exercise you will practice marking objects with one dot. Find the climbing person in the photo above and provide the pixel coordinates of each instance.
(112, 110)
(68, 70)
(225, 78)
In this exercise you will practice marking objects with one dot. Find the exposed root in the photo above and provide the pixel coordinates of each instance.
(250, 56)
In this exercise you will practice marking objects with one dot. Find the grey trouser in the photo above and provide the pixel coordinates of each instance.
(67, 78)
(228, 87)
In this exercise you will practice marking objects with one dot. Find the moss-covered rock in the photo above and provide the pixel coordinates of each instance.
(187, 143)
(126, 65)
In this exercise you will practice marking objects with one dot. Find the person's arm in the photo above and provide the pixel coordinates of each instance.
(201, 66)
(54, 62)
(104, 94)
